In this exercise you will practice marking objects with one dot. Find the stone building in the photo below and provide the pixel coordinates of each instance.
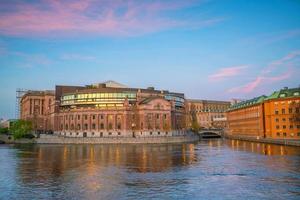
(38, 107)
(208, 113)
(276, 116)
(111, 110)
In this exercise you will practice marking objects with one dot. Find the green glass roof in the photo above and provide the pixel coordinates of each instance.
(283, 93)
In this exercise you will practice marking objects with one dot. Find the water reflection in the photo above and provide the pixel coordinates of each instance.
(59, 159)
(261, 148)
(210, 169)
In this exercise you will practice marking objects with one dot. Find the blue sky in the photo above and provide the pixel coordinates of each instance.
(205, 49)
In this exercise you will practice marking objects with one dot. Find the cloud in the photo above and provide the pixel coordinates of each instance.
(105, 17)
(285, 64)
(227, 72)
(77, 57)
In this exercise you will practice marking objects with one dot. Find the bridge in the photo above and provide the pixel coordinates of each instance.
(210, 133)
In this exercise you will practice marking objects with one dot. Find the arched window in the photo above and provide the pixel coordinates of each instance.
(85, 126)
(119, 125)
(78, 126)
(110, 126)
(93, 126)
(67, 126)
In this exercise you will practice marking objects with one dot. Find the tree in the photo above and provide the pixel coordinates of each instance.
(3, 130)
(21, 129)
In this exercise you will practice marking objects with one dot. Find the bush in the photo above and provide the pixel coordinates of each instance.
(21, 129)
(3, 130)
(29, 136)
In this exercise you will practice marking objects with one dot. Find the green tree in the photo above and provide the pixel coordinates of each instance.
(21, 129)
(3, 130)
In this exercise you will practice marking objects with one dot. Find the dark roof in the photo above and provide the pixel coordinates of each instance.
(248, 103)
(149, 99)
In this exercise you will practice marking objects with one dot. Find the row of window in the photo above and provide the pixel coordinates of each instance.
(284, 119)
(85, 117)
(284, 134)
(99, 95)
(290, 111)
(291, 126)
(119, 133)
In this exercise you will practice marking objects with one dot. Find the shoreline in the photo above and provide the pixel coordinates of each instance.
(55, 139)
(295, 143)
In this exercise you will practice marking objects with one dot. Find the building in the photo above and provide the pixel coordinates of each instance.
(110, 109)
(276, 116)
(208, 113)
(38, 107)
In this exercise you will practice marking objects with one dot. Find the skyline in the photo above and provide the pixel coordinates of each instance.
(205, 49)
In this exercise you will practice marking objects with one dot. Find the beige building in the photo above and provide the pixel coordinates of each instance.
(208, 113)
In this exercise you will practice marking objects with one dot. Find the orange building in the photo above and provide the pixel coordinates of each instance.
(276, 116)
(282, 114)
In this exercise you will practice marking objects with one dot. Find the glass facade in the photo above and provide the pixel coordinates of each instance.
(179, 101)
(97, 98)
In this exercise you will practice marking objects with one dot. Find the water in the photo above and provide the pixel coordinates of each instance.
(215, 169)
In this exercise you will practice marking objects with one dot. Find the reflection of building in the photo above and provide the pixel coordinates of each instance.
(207, 112)
(37, 107)
(276, 116)
(108, 109)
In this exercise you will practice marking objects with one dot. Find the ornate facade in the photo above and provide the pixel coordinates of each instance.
(114, 110)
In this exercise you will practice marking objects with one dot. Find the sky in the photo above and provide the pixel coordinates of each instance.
(209, 49)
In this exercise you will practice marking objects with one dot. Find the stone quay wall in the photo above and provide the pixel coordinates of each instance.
(288, 142)
(58, 139)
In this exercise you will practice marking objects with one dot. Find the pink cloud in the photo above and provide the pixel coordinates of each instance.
(265, 77)
(227, 72)
(103, 17)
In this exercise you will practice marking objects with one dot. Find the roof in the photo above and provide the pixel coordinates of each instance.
(285, 93)
(149, 99)
(248, 103)
(207, 101)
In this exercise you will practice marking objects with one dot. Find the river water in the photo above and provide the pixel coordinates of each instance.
(212, 169)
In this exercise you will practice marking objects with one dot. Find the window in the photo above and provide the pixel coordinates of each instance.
(109, 133)
(67, 126)
(278, 134)
(85, 126)
(119, 126)
(78, 117)
(101, 126)
(297, 110)
(158, 133)
(101, 134)
(150, 133)
(298, 134)
(291, 127)
(93, 126)
(78, 126)
(93, 133)
(283, 111)
(77, 133)
(165, 116)
(94, 116)
(283, 119)
(72, 126)
(157, 116)
(298, 126)
(290, 110)
(85, 117)
(284, 126)
(277, 120)
(166, 133)
(101, 116)
(284, 134)
(110, 126)
(119, 133)
(276, 112)
(277, 127)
